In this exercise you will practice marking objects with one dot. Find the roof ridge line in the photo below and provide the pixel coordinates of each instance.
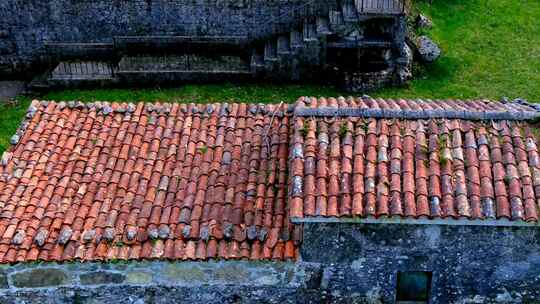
(164, 107)
(117, 107)
(328, 111)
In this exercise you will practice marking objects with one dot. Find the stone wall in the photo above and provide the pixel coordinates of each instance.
(28, 24)
(159, 282)
(340, 263)
(363, 82)
(469, 264)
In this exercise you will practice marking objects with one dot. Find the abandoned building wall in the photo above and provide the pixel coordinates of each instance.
(26, 25)
(468, 264)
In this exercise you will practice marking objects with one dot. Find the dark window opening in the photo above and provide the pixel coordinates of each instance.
(344, 59)
(355, 60)
(413, 287)
(374, 60)
(378, 29)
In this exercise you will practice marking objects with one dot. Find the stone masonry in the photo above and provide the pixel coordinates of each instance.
(159, 282)
(469, 264)
(28, 25)
(340, 263)
(102, 43)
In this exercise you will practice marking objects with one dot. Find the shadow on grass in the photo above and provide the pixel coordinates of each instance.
(204, 93)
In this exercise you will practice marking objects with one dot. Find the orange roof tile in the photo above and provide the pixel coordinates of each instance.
(107, 181)
(123, 181)
(352, 163)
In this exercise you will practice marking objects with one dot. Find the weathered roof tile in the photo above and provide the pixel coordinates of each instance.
(133, 176)
(124, 181)
(448, 161)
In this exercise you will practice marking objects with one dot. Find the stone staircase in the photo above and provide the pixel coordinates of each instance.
(188, 67)
(301, 52)
(308, 49)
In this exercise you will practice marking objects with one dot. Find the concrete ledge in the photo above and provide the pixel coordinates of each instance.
(127, 42)
(60, 50)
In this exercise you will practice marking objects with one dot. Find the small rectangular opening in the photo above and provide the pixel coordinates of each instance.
(364, 60)
(413, 287)
(378, 28)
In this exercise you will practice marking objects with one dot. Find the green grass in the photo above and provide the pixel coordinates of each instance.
(491, 49)
(252, 93)
(10, 118)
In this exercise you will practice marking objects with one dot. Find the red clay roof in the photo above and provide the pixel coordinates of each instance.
(360, 166)
(125, 181)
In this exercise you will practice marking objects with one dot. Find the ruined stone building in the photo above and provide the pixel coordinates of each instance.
(355, 44)
(323, 201)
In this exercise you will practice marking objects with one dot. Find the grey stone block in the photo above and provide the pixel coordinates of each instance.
(41, 277)
(429, 51)
(3, 280)
(138, 277)
(101, 277)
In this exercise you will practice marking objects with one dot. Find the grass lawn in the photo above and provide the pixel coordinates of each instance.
(491, 48)
(208, 93)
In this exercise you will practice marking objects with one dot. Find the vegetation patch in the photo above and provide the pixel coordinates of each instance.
(490, 49)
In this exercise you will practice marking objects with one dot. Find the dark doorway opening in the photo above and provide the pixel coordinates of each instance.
(355, 60)
(378, 28)
(413, 287)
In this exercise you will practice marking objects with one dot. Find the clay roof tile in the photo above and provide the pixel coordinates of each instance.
(446, 158)
(222, 180)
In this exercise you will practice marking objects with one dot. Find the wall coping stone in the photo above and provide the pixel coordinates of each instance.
(413, 114)
(30, 276)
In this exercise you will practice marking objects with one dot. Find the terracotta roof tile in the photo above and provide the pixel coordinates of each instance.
(223, 181)
(453, 163)
(146, 181)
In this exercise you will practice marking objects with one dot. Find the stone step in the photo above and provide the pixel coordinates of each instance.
(65, 51)
(362, 43)
(296, 39)
(270, 50)
(323, 26)
(82, 70)
(182, 64)
(336, 19)
(309, 31)
(137, 43)
(40, 82)
(174, 77)
(182, 68)
(284, 45)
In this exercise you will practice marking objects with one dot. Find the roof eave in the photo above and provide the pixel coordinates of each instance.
(503, 222)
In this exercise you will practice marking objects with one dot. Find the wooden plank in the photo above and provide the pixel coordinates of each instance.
(380, 6)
